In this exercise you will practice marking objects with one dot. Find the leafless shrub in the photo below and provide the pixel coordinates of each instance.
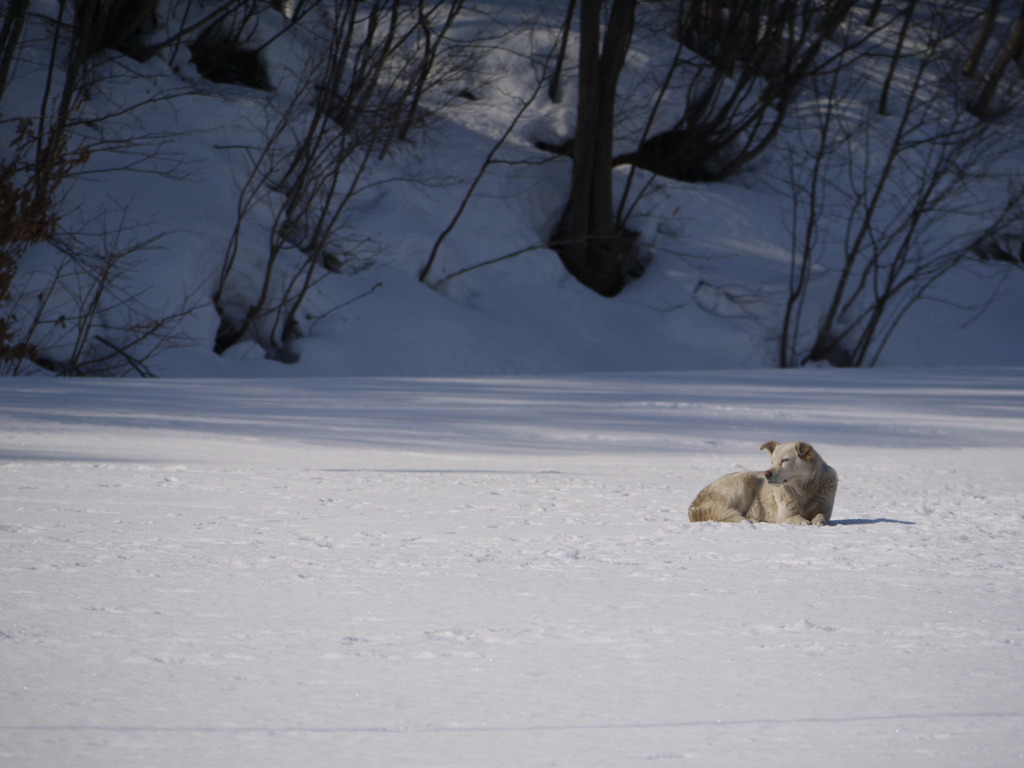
(86, 314)
(85, 293)
(891, 188)
(30, 181)
(361, 93)
(743, 63)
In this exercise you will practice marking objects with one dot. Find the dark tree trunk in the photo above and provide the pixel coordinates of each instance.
(555, 88)
(984, 34)
(908, 15)
(982, 105)
(10, 37)
(592, 245)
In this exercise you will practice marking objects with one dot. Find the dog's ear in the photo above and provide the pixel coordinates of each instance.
(805, 451)
(770, 446)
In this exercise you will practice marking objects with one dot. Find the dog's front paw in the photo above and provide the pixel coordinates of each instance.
(819, 520)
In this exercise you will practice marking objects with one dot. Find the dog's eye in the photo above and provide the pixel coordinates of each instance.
(783, 461)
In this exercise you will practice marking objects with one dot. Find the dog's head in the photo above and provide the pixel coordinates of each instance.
(791, 462)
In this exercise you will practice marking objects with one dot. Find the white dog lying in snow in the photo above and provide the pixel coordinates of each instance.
(798, 489)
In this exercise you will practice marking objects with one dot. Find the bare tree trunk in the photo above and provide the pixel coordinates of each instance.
(982, 106)
(555, 88)
(591, 246)
(873, 13)
(984, 34)
(10, 35)
(908, 15)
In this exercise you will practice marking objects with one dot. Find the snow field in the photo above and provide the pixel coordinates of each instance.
(500, 572)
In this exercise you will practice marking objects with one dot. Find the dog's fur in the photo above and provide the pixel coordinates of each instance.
(800, 488)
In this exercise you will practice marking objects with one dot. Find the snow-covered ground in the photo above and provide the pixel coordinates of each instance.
(500, 572)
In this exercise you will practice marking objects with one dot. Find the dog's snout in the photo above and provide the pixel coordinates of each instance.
(768, 474)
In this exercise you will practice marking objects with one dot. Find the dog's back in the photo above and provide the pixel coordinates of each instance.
(733, 499)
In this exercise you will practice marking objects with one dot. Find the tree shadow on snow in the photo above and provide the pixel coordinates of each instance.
(872, 521)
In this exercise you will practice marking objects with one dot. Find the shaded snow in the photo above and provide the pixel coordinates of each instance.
(500, 572)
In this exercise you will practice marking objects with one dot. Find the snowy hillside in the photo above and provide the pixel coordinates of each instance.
(177, 224)
(500, 572)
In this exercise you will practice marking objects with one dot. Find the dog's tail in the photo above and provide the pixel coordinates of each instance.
(699, 514)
